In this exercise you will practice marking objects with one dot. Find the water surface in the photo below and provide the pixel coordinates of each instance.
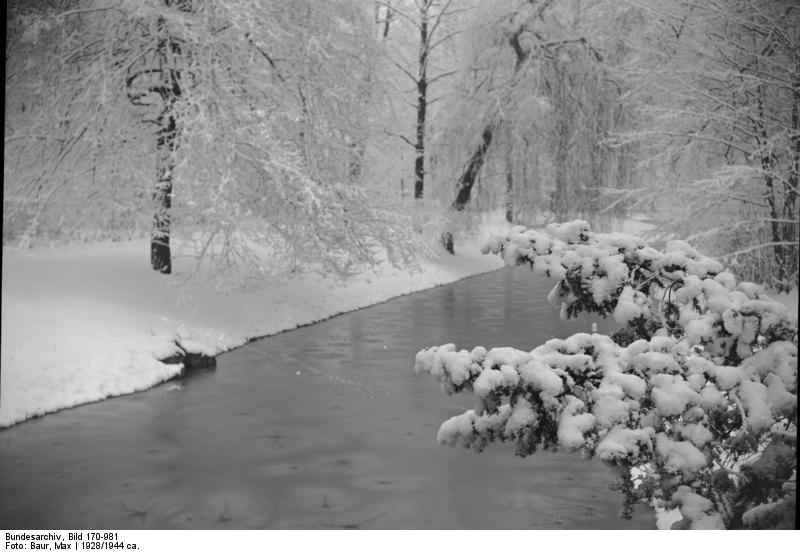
(323, 427)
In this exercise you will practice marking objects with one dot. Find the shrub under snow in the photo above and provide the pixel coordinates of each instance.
(693, 400)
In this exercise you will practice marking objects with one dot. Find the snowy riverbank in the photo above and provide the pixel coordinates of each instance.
(83, 323)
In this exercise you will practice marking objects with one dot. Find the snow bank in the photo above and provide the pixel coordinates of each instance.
(83, 323)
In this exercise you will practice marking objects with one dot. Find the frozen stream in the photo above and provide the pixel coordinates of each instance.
(323, 427)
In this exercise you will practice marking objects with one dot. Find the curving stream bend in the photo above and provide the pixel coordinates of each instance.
(318, 428)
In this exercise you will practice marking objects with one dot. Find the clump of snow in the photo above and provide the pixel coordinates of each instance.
(473, 430)
(489, 381)
(499, 356)
(620, 241)
(752, 290)
(494, 243)
(573, 363)
(732, 322)
(631, 304)
(541, 377)
(700, 330)
(455, 428)
(622, 442)
(672, 395)
(634, 386)
(570, 232)
(717, 296)
(727, 377)
(653, 362)
(692, 287)
(609, 409)
(662, 344)
(755, 399)
(727, 279)
(696, 381)
(679, 456)
(697, 510)
(694, 414)
(711, 398)
(446, 363)
(574, 424)
(490, 423)
(781, 402)
(779, 358)
(698, 434)
(522, 417)
(616, 273)
(695, 364)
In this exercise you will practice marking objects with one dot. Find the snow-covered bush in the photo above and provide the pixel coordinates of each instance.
(693, 400)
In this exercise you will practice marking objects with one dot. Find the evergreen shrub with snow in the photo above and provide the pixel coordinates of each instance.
(693, 400)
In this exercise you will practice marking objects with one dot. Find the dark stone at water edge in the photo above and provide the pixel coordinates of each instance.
(191, 361)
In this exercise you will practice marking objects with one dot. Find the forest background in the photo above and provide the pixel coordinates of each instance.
(329, 136)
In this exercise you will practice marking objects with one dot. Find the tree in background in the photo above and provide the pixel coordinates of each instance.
(540, 101)
(693, 401)
(719, 94)
(235, 123)
(434, 25)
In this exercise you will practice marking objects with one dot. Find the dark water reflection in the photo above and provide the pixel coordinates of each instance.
(324, 427)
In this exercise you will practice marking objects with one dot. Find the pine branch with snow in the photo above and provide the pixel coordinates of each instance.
(693, 400)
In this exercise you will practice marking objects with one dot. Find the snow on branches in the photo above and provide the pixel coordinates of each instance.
(256, 117)
(693, 399)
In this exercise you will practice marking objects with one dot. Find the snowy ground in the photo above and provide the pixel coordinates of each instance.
(83, 323)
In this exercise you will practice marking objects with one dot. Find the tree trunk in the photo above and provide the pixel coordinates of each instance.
(768, 165)
(559, 202)
(160, 254)
(168, 51)
(509, 190)
(592, 185)
(422, 103)
(419, 160)
(791, 230)
(467, 180)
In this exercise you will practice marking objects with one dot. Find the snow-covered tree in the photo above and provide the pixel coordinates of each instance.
(238, 125)
(718, 86)
(418, 39)
(693, 400)
(537, 106)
